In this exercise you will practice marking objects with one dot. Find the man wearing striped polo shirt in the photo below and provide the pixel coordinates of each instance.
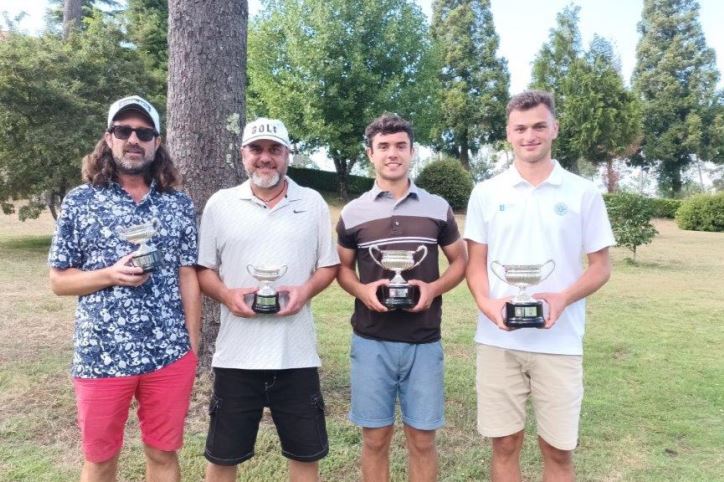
(397, 352)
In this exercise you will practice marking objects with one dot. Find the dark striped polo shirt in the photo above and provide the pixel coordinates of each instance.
(417, 218)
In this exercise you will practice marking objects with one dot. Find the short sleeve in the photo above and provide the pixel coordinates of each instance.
(189, 242)
(208, 254)
(344, 238)
(326, 250)
(475, 228)
(449, 232)
(597, 232)
(65, 251)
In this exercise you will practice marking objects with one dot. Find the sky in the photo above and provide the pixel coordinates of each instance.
(523, 26)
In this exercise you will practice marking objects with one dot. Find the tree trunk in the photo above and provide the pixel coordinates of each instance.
(611, 177)
(342, 178)
(206, 79)
(464, 154)
(72, 11)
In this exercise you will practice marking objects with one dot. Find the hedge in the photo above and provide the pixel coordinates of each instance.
(703, 212)
(449, 179)
(325, 181)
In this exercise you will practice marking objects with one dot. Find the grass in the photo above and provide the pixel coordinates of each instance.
(653, 409)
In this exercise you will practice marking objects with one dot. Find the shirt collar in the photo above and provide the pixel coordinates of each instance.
(412, 190)
(294, 191)
(555, 178)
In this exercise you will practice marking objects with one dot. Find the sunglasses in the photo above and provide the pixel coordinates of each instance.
(144, 134)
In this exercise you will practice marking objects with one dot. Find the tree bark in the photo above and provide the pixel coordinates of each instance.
(206, 79)
(72, 11)
(464, 154)
(342, 178)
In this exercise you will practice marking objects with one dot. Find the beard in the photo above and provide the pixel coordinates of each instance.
(124, 165)
(265, 182)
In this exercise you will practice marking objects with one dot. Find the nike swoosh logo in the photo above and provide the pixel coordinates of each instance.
(299, 211)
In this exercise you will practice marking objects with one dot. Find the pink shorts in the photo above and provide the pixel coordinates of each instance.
(163, 402)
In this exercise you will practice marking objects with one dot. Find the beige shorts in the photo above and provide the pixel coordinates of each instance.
(507, 378)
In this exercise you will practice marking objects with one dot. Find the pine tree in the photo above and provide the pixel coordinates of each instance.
(551, 69)
(475, 81)
(676, 78)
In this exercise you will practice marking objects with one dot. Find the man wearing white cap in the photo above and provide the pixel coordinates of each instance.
(137, 325)
(264, 357)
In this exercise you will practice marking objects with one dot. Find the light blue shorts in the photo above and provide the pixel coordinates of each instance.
(382, 370)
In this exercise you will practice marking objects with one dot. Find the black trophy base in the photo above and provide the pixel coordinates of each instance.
(399, 297)
(266, 304)
(148, 261)
(524, 315)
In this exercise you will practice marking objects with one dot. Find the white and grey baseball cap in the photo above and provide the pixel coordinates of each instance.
(264, 128)
(137, 104)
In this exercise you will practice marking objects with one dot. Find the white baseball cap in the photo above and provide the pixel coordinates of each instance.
(137, 104)
(263, 128)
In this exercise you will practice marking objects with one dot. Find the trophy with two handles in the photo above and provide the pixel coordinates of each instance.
(399, 294)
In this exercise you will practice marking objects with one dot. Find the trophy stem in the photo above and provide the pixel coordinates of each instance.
(398, 279)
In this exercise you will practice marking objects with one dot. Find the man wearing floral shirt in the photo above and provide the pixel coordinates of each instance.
(136, 332)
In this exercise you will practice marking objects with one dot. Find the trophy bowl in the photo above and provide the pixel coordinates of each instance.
(399, 294)
(523, 311)
(146, 257)
(266, 299)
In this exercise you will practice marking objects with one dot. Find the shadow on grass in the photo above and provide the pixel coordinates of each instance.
(29, 243)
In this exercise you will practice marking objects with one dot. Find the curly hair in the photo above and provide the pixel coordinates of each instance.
(531, 99)
(99, 168)
(388, 124)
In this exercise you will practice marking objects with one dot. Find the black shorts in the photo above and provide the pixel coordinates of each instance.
(297, 408)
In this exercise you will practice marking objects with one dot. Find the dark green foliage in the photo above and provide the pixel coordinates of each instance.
(328, 67)
(676, 78)
(703, 212)
(630, 216)
(447, 178)
(551, 69)
(474, 80)
(328, 182)
(664, 207)
(54, 97)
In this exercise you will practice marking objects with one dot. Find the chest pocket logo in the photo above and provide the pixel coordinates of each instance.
(561, 209)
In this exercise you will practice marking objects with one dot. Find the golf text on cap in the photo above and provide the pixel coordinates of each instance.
(269, 129)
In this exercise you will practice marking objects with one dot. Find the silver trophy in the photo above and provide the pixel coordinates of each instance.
(266, 300)
(399, 294)
(523, 311)
(146, 256)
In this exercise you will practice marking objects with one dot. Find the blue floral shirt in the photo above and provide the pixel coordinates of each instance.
(122, 330)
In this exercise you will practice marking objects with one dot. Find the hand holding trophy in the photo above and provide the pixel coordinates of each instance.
(146, 256)
(399, 294)
(523, 311)
(266, 300)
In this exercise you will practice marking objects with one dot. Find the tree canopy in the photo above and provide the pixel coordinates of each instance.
(328, 67)
(474, 80)
(676, 77)
(54, 96)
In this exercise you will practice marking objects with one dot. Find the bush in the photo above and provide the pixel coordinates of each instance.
(449, 179)
(325, 181)
(703, 212)
(630, 216)
(664, 208)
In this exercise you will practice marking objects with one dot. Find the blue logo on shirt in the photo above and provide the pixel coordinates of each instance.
(501, 207)
(561, 209)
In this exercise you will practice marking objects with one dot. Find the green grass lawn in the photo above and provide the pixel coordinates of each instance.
(654, 380)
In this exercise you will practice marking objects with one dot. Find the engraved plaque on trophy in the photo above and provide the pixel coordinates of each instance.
(523, 311)
(399, 294)
(266, 299)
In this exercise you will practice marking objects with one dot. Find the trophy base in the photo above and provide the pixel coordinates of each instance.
(524, 315)
(148, 261)
(399, 297)
(266, 304)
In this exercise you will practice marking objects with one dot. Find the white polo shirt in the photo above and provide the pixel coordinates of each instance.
(237, 229)
(562, 219)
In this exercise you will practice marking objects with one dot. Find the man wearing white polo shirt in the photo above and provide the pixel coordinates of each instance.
(266, 360)
(533, 212)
